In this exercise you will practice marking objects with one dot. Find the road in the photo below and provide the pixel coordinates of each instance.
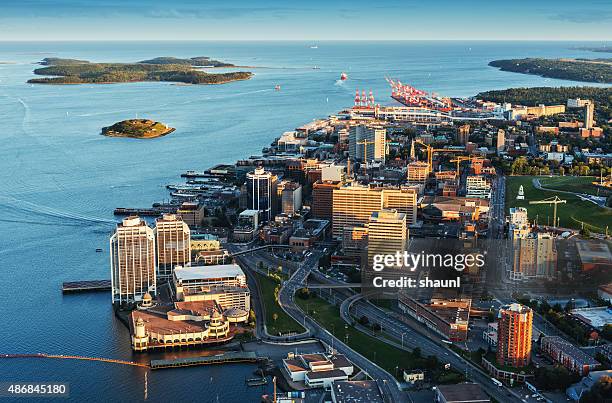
(286, 299)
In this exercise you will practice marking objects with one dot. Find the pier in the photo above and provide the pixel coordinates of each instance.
(76, 357)
(225, 358)
(86, 286)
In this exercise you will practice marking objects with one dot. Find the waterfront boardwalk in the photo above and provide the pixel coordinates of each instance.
(84, 286)
(225, 358)
(76, 357)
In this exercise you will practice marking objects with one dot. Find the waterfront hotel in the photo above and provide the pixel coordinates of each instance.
(132, 254)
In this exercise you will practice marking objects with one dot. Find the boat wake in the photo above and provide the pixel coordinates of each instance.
(34, 208)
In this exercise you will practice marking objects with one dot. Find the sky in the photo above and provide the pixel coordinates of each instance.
(35, 20)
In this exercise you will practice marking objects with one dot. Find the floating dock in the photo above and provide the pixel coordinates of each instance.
(86, 286)
(225, 358)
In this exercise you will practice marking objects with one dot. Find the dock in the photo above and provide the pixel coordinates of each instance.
(225, 358)
(86, 286)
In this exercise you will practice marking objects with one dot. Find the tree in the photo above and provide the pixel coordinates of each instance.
(364, 320)
(303, 293)
(274, 316)
(376, 327)
(606, 332)
(416, 353)
(600, 392)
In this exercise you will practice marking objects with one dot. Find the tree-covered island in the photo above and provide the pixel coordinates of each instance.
(596, 71)
(73, 71)
(137, 128)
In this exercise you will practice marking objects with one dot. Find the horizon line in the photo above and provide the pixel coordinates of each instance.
(312, 40)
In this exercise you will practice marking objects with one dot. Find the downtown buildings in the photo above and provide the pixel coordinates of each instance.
(353, 204)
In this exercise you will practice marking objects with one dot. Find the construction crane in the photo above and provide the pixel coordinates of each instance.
(431, 151)
(365, 144)
(554, 201)
(460, 158)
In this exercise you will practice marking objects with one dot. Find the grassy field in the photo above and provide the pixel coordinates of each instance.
(578, 184)
(383, 354)
(571, 214)
(283, 323)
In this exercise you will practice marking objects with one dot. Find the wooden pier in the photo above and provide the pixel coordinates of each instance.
(225, 358)
(86, 286)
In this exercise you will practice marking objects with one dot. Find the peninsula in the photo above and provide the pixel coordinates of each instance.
(73, 71)
(596, 71)
(137, 128)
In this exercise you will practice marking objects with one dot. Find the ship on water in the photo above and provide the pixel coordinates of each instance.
(343, 76)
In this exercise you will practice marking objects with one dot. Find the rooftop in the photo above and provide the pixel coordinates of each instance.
(463, 392)
(356, 392)
(571, 350)
(207, 272)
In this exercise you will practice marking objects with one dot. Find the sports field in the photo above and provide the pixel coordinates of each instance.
(571, 215)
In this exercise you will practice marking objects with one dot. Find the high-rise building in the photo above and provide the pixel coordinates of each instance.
(387, 233)
(514, 335)
(291, 198)
(172, 245)
(418, 172)
(261, 193)
(322, 199)
(368, 143)
(535, 256)
(353, 204)
(589, 110)
(132, 259)
(518, 223)
(501, 140)
(463, 134)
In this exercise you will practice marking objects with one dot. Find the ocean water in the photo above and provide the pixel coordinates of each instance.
(60, 179)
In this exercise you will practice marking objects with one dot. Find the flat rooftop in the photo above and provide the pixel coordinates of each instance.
(356, 392)
(183, 273)
(463, 392)
(596, 317)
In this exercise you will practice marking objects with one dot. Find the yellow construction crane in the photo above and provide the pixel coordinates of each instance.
(431, 151)
(554, 201)
(365, 144)
(460, 158)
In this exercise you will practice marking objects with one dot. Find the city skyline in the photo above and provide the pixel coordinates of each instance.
(273, 20)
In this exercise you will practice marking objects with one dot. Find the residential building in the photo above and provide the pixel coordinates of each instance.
(565, 353)
(247, 225)
(514, 335)
(132, 260)
(172, 245)
(354, 204)
(463, 134)
(535, 256)
(501, 141)
(367, 143)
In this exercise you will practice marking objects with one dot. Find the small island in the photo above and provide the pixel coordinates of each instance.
(588, 70)
(137, 128)
(168, 69)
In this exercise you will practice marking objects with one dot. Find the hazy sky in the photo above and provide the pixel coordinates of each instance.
(305, 20)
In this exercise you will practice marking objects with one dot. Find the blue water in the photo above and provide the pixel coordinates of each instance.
(60, 179)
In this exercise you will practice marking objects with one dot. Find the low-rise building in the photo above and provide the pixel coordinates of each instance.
(490, 334)
(317, 370)
(461, 393)
(356, 392)
(413, 377)
(449, 318)
(478, 186)
(568, 355)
